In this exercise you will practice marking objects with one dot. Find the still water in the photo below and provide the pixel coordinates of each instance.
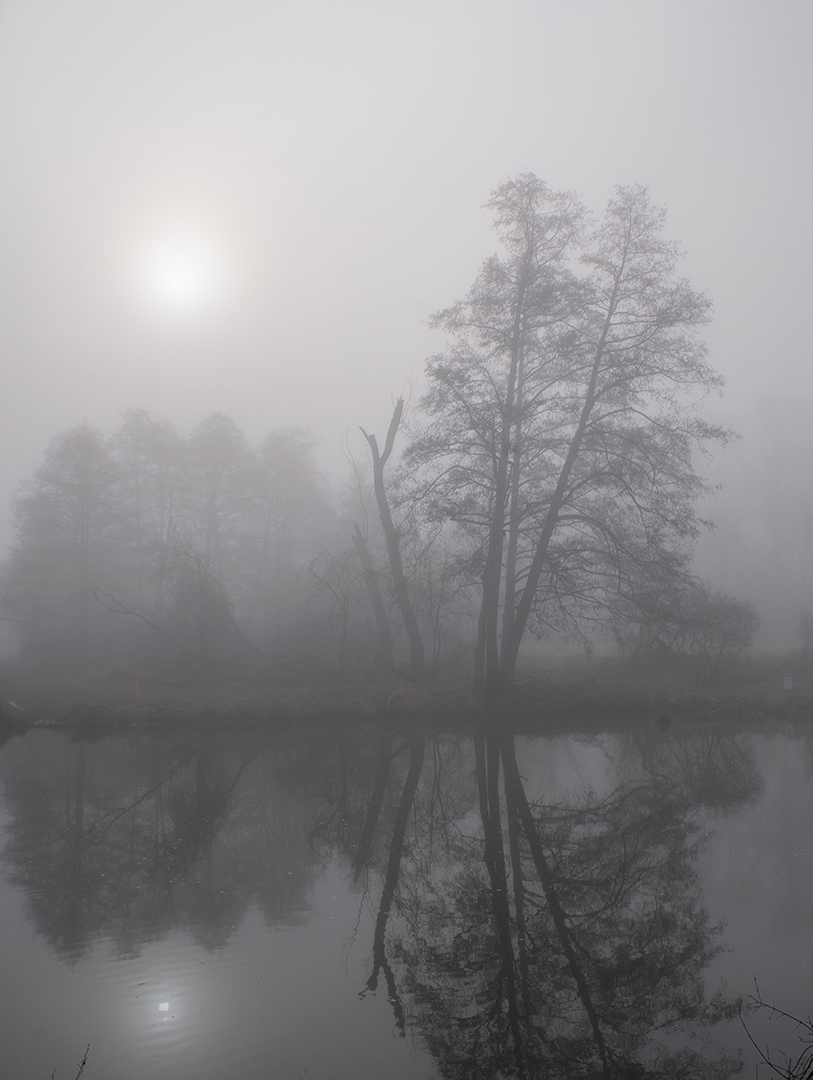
(336, 903)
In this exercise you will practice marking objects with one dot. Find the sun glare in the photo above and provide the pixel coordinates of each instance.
(181, 272)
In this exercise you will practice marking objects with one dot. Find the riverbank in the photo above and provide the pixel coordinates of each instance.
(577, 693)
(96, 701)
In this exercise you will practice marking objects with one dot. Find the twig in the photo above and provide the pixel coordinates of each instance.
(799, 1068)
(122, 609)
(83, 1062)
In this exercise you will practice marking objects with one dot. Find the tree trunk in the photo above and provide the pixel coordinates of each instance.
(487, 656)
(503, 677)
(416, 649)
(416, 758)
(516, 793)
(488, 766)
(510, 591)
(383, 656)
(383, 760)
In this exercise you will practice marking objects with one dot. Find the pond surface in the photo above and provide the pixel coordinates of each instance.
(337, 903)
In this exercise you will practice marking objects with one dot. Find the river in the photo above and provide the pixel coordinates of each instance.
(338, 902)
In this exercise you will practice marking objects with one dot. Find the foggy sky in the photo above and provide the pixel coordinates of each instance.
(338, 154)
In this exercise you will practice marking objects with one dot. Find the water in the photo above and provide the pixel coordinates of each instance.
(339, 903)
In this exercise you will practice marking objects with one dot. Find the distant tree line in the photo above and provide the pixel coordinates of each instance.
(180, 533)
(202, 554)
(547, 484)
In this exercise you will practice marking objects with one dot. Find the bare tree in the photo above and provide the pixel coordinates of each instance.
(561, 420)
(416, 648)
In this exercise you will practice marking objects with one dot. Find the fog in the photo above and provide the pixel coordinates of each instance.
(253, 209)
(393, 635)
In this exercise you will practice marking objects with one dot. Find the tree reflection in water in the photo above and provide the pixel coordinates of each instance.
(565, 939)
(130, 838)
(516, 935)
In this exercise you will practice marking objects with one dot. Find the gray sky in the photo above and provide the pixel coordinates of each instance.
(326, 162)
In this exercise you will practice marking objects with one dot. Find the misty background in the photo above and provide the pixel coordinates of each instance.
(329, 163)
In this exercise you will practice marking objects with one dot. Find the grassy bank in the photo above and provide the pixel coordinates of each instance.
(560, 694)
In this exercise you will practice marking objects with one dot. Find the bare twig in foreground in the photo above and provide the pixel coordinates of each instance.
(82, 1064)
(799, 1067)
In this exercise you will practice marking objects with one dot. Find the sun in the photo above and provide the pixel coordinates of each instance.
(181, 271)
(180, 278)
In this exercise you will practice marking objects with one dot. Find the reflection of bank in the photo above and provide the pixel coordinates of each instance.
(514, 931)
(564, 939)
(132, 840)
(228, 938)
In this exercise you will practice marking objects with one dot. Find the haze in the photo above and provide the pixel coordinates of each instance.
(377, 697)
(254, 207)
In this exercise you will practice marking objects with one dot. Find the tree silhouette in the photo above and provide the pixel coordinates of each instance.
(565, 940)
(66, 539)
(558, 427)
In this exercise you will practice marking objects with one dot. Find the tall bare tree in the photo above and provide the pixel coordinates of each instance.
(380, 458)
(561, 419)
